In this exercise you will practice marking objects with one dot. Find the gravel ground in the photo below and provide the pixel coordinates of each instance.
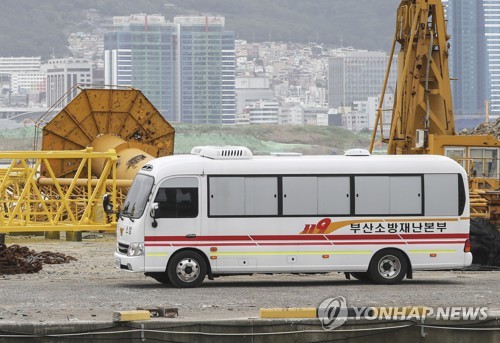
(91, 289)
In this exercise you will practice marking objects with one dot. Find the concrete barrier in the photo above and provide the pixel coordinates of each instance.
(254, 330)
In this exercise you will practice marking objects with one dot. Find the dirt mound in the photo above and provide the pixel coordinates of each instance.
(492, 128)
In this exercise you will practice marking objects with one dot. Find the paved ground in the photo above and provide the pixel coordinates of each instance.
(91, 289)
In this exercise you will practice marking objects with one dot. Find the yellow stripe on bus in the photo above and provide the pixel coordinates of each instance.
(156, 254)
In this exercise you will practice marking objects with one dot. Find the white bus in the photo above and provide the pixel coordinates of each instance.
(221, 211)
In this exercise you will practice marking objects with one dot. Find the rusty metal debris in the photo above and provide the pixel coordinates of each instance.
(492, 128)
(17, 259)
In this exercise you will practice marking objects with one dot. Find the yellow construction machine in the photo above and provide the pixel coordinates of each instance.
(93, 146)
(422, 117)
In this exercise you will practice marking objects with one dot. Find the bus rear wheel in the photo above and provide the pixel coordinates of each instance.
(187, 269)
(388, 267)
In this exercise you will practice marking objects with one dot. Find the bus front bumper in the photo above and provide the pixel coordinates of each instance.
(129, 263)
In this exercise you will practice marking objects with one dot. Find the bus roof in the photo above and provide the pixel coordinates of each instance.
(302, 165)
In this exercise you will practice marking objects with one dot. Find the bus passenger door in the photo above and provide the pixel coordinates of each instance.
(174, 219)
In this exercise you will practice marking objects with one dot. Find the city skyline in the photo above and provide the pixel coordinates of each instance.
(468, 68)
(474, 27)
(297, 73)
(492, 23)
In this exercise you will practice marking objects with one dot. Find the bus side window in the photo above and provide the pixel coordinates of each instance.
(441, 195)
(399, 195)
(177, 198)
(243, 196)
(179, 202)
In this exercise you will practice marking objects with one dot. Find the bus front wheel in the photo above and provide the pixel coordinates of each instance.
(187, 269)
(388, 267)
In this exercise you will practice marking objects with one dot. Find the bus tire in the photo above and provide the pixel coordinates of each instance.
(187, 269)
(388, 267)
(361, 276)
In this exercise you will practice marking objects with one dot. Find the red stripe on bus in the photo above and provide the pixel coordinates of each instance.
(356, 237)
(216, 244)
(197, 238)
(435, 235)
(213, 245)
(362, 237)
(297, 243)
(398, 243)
(398, 236)
(289, 237)
(255, 244)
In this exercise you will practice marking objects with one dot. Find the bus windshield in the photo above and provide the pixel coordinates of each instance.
(137, 196)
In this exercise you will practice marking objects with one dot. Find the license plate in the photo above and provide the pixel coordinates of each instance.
(117, 263)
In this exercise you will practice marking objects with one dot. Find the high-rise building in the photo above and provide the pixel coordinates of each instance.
(140, 52)
(186, 68)
(355, 75)
(62, 77)
(207, 66)
(24, 73)
(468, 59)
(20, 64)
(492, 24)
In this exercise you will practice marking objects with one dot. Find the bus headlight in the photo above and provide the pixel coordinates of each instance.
(135, 249)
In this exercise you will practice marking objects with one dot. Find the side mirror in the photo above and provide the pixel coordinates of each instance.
(154, 208)
(152, 213)
(107, 204)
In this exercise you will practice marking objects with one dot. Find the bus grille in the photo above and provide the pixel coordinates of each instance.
(122, 248)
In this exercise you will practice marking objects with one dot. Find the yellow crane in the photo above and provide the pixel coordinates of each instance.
(94, 145)
(422, 117)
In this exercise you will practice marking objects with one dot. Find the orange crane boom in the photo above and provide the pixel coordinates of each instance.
(422, 119)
